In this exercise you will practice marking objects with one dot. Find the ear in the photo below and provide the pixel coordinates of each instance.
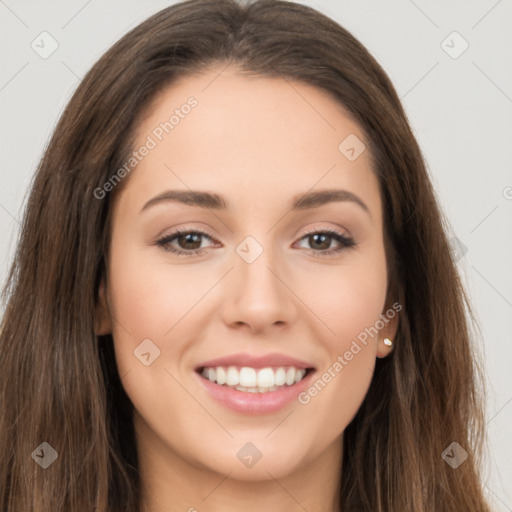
(102, 323)
(390, 320)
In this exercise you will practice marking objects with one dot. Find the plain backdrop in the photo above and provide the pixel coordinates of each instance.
(451, 63)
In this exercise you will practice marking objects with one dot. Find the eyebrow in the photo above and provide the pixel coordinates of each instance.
(209, 200)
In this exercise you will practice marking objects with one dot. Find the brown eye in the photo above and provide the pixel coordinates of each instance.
(189, 241)
(183, 242)
(320, 242)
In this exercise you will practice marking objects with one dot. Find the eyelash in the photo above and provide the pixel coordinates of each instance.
(345, 241)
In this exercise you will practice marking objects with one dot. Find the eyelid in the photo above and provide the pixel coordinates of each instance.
(204, 231)
(327, 229)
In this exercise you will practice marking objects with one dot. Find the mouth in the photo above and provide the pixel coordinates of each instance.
(254, 385)
(248, 379)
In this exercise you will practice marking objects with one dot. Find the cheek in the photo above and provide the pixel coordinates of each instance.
(357, 305)
(348, 298)
(153, 300)
(150, 301)
(149, 297)
(351, 311)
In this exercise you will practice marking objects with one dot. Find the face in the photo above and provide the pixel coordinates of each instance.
(272, 280)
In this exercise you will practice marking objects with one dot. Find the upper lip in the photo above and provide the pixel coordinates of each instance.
(264, 361)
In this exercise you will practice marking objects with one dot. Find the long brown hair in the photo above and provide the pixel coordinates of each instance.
(59, 382)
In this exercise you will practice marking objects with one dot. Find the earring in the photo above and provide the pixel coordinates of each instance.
(388, 342)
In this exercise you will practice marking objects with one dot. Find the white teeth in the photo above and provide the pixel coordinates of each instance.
(247, 377)
(280, 377)
(221, 375)
(266, 378)
(290, 376)
(232, 376)
(254, 380)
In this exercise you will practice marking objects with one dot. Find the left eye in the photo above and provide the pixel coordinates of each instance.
(189, 242)
(322, 240)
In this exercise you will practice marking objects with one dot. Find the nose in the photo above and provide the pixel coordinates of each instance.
(258, 298)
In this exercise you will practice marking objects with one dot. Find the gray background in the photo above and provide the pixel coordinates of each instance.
(460, 109)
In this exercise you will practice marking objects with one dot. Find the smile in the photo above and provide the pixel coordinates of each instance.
(254, 380)
(250, 384)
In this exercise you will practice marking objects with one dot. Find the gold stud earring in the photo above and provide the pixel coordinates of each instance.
(388, 342)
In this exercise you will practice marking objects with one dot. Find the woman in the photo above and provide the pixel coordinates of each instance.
(308, 351)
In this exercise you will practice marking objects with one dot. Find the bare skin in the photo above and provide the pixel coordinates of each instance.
(256, 142)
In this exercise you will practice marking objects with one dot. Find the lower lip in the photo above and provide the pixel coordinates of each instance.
(255, 403)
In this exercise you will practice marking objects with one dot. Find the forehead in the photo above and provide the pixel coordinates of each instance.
(271, 137)
(250, 107)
